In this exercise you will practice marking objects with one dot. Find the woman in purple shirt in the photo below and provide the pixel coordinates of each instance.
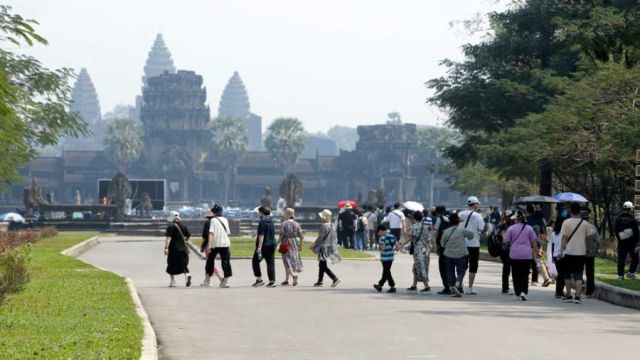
(521, 239)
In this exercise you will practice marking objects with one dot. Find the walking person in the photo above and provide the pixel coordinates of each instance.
(219, 244)
(419, 236)
(454, 242)
(627, 234)
(347, 226)
(576, 232)
(372, 224)
(555, 251)
(536, 220)
(265, 248)
(590, 257)
(175, 248)
(504, 250)
(325, 246)
(471, 220)
(387, 243)
(522, 247)
(204, 248)
(290, 248)
(441, 224)
(362, 230)
(396, 221)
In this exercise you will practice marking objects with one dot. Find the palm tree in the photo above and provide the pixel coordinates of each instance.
(285, 142)
(230, 142)
(123, 142)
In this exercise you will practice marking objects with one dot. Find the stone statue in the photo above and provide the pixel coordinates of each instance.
(119, 191)
(372, 198)
(32, 198)
(291, 190)
(145, 206)
(266, 201)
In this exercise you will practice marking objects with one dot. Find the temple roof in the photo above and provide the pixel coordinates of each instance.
(235, 100)
(159, 60)
(84, 98)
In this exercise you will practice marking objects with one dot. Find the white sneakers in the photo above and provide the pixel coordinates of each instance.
(471, 291)
(172, 283)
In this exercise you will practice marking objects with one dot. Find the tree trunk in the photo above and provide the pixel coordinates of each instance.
(546, 185)
(227, 182)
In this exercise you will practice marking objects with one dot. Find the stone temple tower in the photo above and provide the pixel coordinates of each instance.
(158, 62)
(84, 99)
(234, 103)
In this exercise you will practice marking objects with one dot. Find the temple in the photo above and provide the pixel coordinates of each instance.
(85, 103)
(158, 62)
(234, 103)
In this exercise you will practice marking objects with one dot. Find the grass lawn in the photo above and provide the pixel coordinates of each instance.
(244, 246)
(69, 310)
(607, 272)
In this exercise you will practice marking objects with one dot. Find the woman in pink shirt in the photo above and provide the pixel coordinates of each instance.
(521, 239)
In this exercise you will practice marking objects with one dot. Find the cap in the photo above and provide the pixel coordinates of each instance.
(627, 205)
(472, 200)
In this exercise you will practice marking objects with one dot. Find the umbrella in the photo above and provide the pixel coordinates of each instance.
(413, 206)
(343, 203)
(12, 217)
(536, 199)
(570, 197)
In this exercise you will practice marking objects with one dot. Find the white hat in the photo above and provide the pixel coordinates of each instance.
(325, 215)
(627, 205)
(472, 200)
(508, 213)
(174, 215)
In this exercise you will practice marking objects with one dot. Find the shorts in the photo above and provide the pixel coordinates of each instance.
(474, 258)
(573, 266)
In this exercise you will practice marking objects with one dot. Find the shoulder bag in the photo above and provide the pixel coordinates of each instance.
(186, 247)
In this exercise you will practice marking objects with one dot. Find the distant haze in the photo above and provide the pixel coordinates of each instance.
(325, 62)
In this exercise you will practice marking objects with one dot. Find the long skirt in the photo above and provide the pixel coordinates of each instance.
(177, 262)
(421, 264)
(292, 260)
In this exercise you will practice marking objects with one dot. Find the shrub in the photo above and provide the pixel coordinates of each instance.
(14, 239)
(48, 232)
(13, 269)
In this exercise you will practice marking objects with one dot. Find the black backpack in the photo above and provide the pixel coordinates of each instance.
(494, 244)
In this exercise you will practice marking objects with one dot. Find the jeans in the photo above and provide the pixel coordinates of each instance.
(442, 268)
(456, 269)
(506, 269)
(397, 233)
(590, 273)
(225, 258)
(324, 269)
(268, 255)
(520, 274)
(386, 274)
(627, 247)
(361, 240)
(561, 275)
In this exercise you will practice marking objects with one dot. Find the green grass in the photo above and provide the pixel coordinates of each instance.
(244, 247)
(69, 310)
(607, 272)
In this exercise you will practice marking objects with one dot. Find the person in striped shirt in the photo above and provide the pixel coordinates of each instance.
(387, 245)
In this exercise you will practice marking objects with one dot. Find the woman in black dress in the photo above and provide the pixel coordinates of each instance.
(175, 247)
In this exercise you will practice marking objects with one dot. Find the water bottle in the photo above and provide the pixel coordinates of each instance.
(259, 256)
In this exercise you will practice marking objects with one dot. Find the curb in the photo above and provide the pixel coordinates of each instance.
(149, 350)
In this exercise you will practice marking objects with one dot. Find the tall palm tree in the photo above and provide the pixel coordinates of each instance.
(285, 142)
(123, 142)
(230, 142)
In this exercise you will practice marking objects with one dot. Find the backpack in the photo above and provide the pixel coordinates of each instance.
(494, 245)
(444, 225)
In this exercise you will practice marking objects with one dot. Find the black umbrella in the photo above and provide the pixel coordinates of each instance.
(535, 199)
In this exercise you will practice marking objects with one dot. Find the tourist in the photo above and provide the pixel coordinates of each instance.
(372, 224)
(456, 252)
(626, 232)
(590, 256)
(204, 248)
(362, 231)
(387, 242)
(523, 246)
(504, 250)
(575, 234)
(325, 247)
(441, 224)
(471, 220)
(290, 248)
(495, 218)
(347, 226)
(219, 244)
(396, 221)
(536, 220)
(419, 236)
(555, 251)
(265, 248)
(176, 249)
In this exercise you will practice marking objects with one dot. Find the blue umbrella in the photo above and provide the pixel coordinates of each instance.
(570, 197)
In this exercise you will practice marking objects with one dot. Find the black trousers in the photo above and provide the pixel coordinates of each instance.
(268, 255)
(506, 269)
(323, 268)
(225, 258)
(442, 268)
(627, 247)
(520, 274)
(560, 267)
(534, 271)
(590, 273)
(348, 238)
(386, 274)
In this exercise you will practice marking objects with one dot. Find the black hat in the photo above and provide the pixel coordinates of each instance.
(441, 209)
(217, 209)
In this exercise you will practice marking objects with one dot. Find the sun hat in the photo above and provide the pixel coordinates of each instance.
(472, 200)
(288, 213)
(627, 205)
(173, 216)
(348, 206)
(508, 213)
(325, 215)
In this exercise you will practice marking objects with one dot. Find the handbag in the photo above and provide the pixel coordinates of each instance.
(284, 248)
(183, 239)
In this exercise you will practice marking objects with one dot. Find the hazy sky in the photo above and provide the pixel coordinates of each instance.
(328, 62)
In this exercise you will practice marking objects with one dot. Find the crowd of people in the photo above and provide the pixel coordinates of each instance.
(517, 236)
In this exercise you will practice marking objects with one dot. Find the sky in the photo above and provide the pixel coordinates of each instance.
(326, 62)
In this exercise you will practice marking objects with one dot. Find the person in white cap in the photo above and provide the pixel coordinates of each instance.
(176, 249)
(472, 221)
(628, 237)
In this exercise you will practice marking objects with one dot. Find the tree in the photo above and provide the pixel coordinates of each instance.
(344, 136)
(33, 100)
(230, 142)
(394, 118)
(123, 142)
(285, 142)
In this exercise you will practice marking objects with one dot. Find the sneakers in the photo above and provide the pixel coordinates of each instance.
(258, 282)
(413, 288)
(546, 283)
(444, 292)
(471, 291)
(271, 284)
(576, 300)
(426, 290)
(455, 292)
(558, 296)
(335, 282)
(391, 290)
(631, 276)
(620, 277)
(188, 281)
(224, 284)
(377, 287)
(567, 299)
(534, 283)
(205, 284)
(523, 297)
(172, 283)
(284, 283)
(318, 284)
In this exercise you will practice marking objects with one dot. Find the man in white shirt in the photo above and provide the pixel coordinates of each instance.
(472, 221)
(576, 233)
(395, 218)
(219, 244)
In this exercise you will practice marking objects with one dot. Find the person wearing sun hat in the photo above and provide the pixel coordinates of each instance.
(471, 220)
(325, 246)
(290, 247)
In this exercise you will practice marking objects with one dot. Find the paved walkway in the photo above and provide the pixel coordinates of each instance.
(353, 321)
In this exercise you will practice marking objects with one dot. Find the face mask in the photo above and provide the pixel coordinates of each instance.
(564, 213)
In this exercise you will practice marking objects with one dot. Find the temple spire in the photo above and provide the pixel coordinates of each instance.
(84, 98)
(158, 61)
(234, 101)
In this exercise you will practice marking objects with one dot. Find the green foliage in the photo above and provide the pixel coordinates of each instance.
(33, 100)
(69, 310)
(285, 142)
(123, 142)
(230, 142)
(13, 270)
(344, 136)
